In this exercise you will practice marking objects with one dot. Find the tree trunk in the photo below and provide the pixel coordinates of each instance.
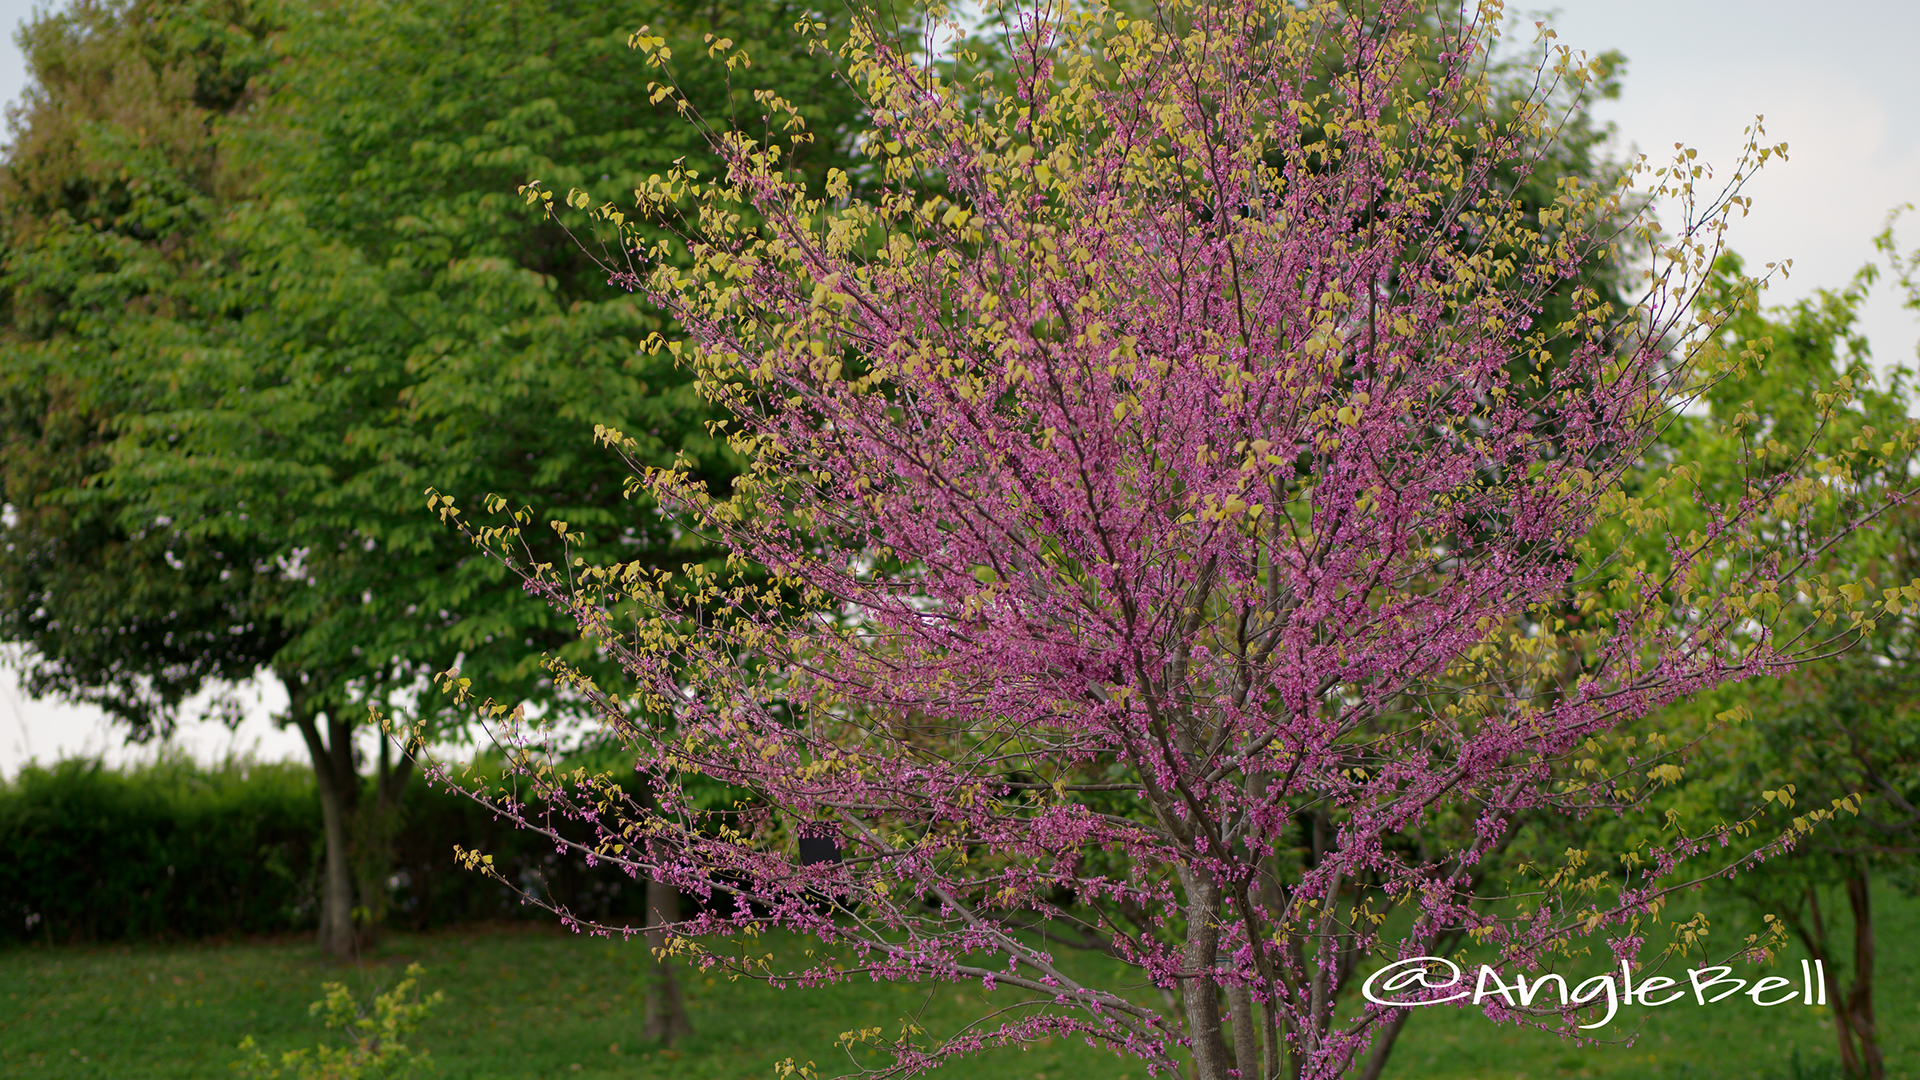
(1384, 1041)
(1383, 1045)
(1853, 1021)
(1273, 900)
(337, 938)
(666, 1014)
(1813, 934)
(1246, 1043)
(1199, 991)
(666, 1018)
(371, 833)
(1860, 997)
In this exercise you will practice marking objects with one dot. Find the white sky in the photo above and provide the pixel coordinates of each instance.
(1838, 82)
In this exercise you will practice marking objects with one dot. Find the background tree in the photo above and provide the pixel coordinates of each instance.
(1840, 732)
(343, 301)
(111, 186)
(1196, 459)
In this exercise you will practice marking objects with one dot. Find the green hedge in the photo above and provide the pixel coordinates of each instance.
(88, 853)
(178, 850)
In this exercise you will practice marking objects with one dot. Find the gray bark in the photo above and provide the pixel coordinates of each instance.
(359, 838)
(336, 936)
(1246, 1044)
(1199, 991)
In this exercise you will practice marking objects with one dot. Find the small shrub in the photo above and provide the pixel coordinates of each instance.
(374, 1029)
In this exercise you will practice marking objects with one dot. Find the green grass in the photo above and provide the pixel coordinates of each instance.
(522, 1002)
(1728, 1040)
(532, 1003)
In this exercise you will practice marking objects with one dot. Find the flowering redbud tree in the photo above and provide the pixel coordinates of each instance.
(1162, 461)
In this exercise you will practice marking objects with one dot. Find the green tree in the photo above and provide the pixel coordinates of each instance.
(1844, 732)
(1829, 755)
(108, 191)
(350, 304)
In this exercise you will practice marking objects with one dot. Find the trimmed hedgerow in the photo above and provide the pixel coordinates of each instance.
(173, 849)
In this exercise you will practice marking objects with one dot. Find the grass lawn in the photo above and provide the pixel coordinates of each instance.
(1729, 1040)
(522, 1002)
(531, 1002)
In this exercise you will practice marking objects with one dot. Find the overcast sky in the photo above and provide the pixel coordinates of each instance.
(1837, 82)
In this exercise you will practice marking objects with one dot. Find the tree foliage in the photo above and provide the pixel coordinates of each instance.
(267, 279)
(1837, 735)
(112, 183)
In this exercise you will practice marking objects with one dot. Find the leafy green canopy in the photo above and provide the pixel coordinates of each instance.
(267, 280)
(112, 180)
(1823, 762)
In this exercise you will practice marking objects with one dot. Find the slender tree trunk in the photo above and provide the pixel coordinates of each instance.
(1813, 934)
(1860, 997)
(1383, 1045)
(336, 937)
(1201, 996)
(666, 1014)
(336, 897)
(1201, 993)
(359, 837)
(1274, 901)
(1246, 1041)
(666, 1018)
(1853, 1020)
(371, 834)
(1383, 1042)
